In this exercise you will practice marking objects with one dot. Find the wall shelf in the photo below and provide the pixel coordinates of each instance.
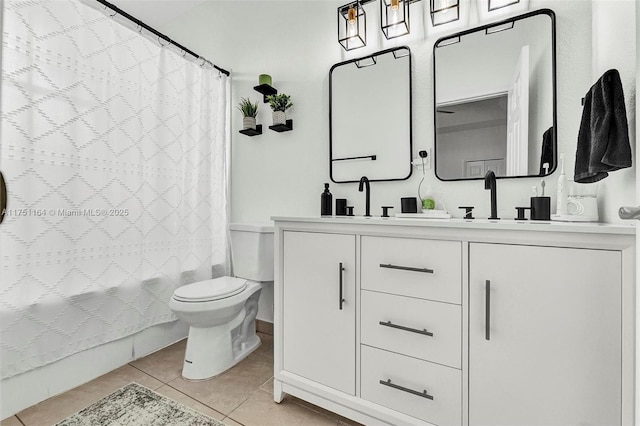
(252, 132)
(266, 90)
(283, 127)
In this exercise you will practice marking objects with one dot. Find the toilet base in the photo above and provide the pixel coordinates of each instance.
(209, 352)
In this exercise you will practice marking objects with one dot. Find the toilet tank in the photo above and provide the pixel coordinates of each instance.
(252, 250)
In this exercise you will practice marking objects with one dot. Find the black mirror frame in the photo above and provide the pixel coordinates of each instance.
(551, 15)
(371, 56)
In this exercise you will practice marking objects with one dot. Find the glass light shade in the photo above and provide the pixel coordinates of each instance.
(444, 11)
(394, 18)
(352, 26)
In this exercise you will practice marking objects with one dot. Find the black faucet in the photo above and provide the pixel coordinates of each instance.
(364, 182)
(490, 183)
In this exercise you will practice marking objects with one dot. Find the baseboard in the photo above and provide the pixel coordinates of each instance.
(264, 327)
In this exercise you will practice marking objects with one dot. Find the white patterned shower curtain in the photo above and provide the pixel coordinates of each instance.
(114, 149)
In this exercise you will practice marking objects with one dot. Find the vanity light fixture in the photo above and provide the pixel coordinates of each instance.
(394, 18)
(444, 11)
(499, 4)
(352, 26)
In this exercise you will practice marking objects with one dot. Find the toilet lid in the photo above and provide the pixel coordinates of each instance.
(205, 291)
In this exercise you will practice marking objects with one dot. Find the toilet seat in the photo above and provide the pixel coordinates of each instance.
(210, 290)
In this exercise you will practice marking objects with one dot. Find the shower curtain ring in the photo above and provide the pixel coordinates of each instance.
(114, 14)
(139, 28)
(160, 43)
(204, 61)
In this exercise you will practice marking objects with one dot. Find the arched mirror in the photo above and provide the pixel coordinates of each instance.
(370, 117)
(495, 99)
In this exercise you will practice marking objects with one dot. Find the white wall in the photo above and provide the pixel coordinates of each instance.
(296, 42)
(614, 47)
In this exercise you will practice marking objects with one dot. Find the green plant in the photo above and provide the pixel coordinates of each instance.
(279, 102)
(248, 108)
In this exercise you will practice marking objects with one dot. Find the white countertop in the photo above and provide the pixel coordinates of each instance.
(507, 224)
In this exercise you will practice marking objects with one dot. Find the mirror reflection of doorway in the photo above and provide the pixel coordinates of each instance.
(518, 118)
(471, 132)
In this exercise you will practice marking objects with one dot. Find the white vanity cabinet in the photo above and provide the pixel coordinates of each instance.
(319, 308)
(545, 336)
(455, 322)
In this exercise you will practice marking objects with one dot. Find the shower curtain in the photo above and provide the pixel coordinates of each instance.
(114, 150)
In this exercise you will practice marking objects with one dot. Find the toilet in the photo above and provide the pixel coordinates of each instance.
(221, 312)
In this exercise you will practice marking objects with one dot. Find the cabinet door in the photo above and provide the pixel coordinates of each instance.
(319, 329)
(550, 353)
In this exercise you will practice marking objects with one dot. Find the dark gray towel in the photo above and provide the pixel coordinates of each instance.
(546, 155)
(603, 138)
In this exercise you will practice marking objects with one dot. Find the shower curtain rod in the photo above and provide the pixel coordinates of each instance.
(159, 34)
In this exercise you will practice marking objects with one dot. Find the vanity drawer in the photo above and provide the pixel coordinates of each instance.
(427, 269)
(409, 378)
(406, 323)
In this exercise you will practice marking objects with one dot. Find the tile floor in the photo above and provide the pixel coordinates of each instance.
(241, 396)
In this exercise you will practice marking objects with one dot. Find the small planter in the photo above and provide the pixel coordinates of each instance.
(249, 123)
(279, 117)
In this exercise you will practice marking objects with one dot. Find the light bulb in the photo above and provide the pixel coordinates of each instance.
(395, 4)
(351, 20)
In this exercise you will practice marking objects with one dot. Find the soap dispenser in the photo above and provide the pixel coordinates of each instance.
(561, 196)
(326, 202)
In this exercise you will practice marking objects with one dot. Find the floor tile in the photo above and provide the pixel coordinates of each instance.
(13, 421)
(226, 392)
(348, 422)
(268, 386)
(341, 420)
(266, 348)
(228, 421)
(57, 408)
(260, 410)
(183, 399)
(165, 364)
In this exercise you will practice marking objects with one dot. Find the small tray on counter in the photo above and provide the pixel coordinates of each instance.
(426, 214)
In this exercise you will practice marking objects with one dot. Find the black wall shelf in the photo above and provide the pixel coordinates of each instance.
(266, 90)
(283, 127)
(252, 132)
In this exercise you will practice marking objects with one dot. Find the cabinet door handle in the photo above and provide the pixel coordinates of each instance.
(3, 197)
(402, 327)
(487, 310)
(423, 394)
(406, 268)
(340, 272)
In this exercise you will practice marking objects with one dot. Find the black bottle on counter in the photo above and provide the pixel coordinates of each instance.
(326, 202)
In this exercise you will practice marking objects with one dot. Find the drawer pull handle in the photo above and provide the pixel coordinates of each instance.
(341, 268)
(423, 394)
(406, 268)
(487, 310)
(402, 327)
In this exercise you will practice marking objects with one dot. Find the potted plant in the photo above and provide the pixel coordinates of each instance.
(249, 111)
(279, 103)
